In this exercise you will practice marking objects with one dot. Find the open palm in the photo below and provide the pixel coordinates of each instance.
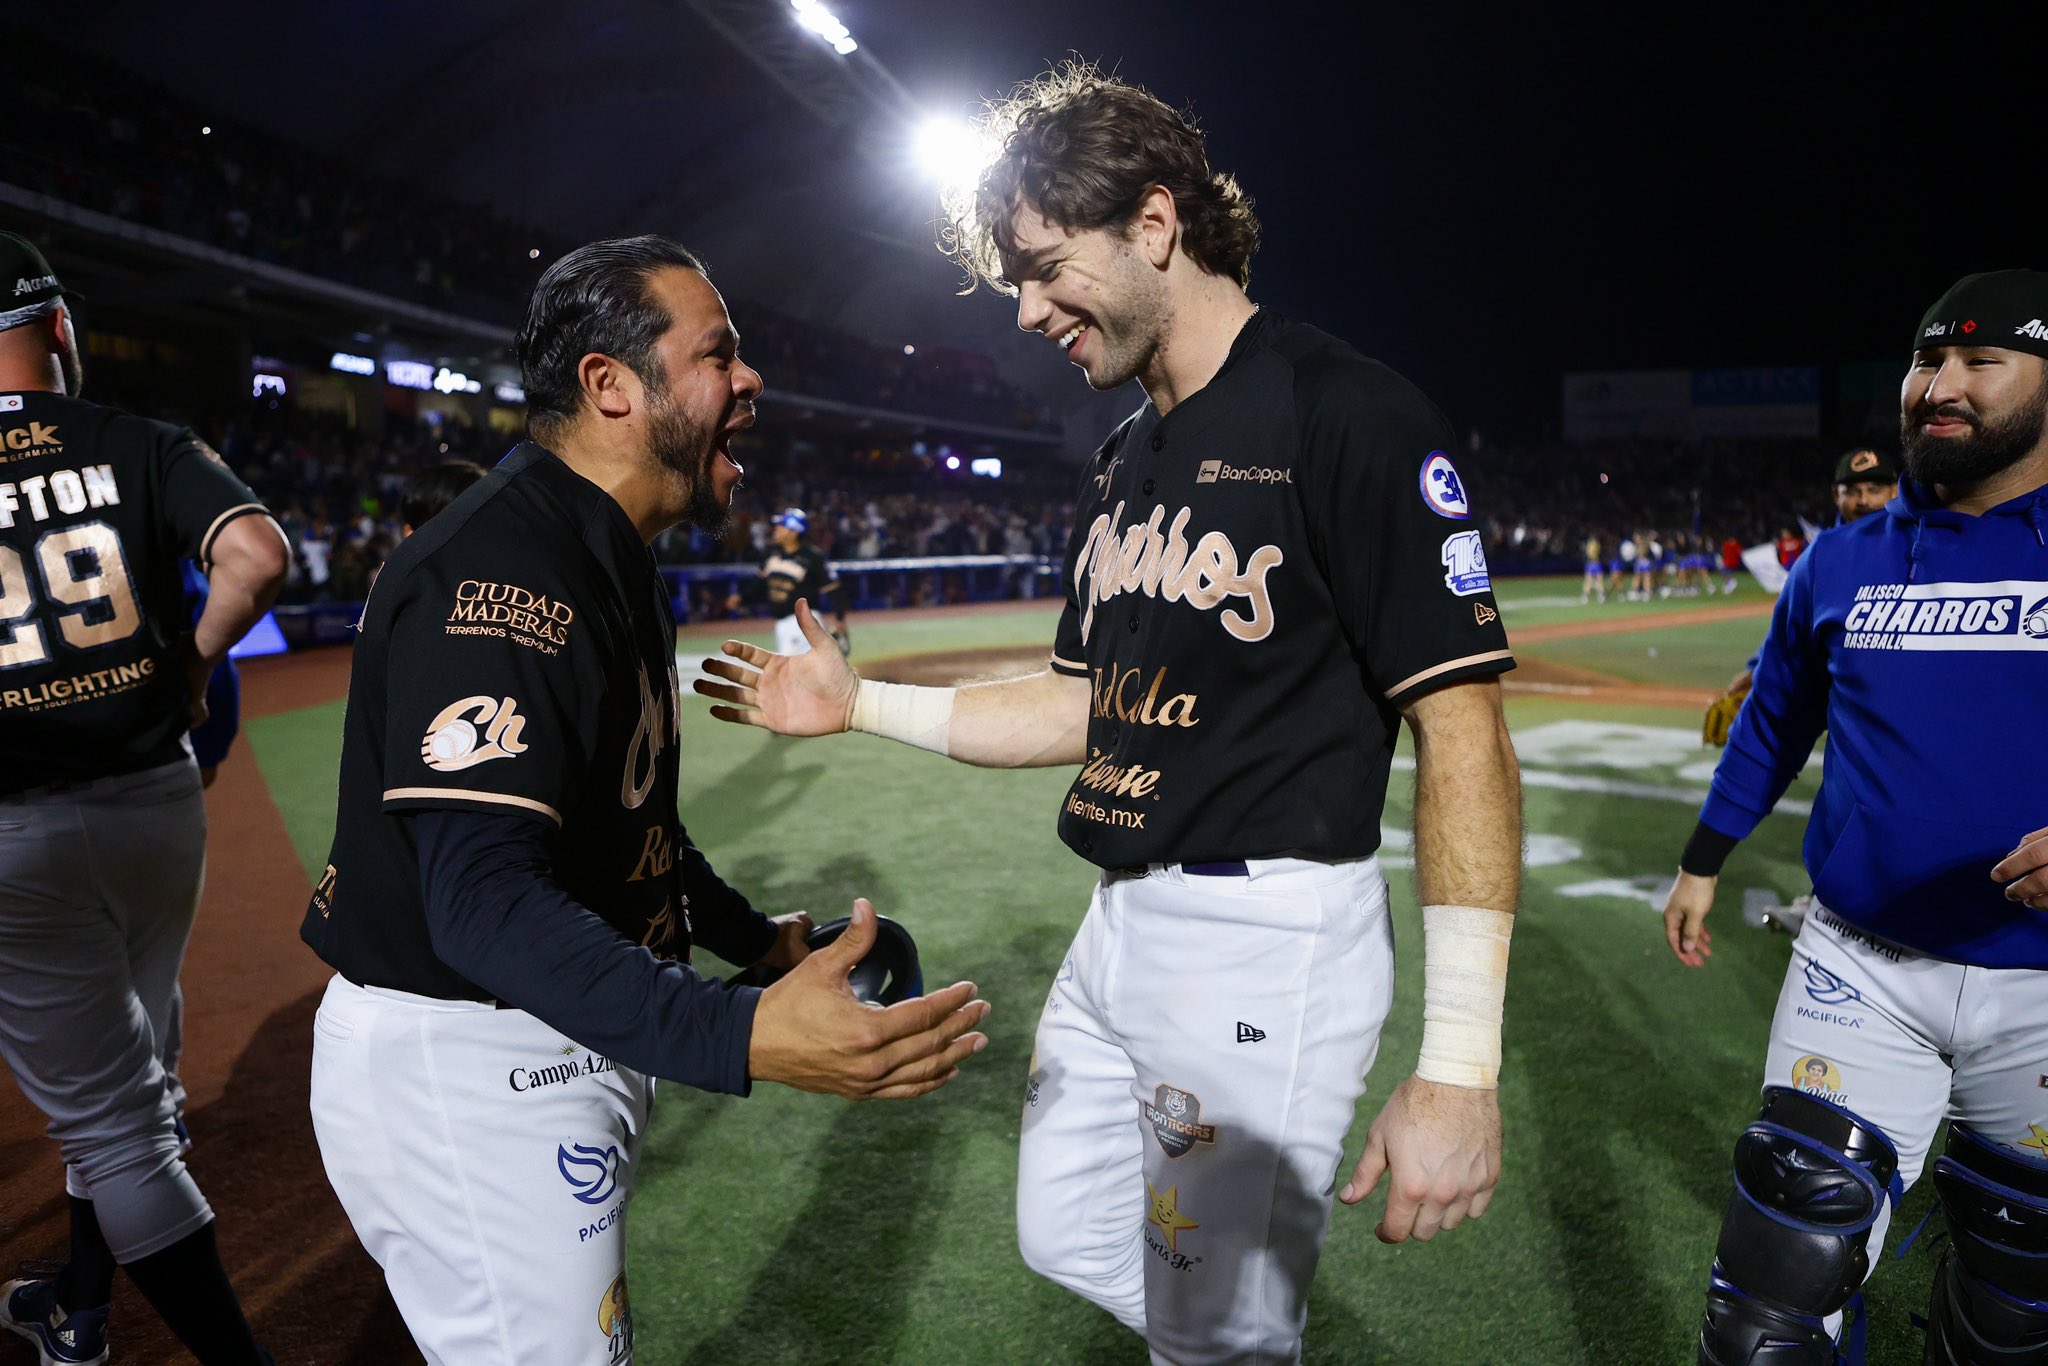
(807, 694)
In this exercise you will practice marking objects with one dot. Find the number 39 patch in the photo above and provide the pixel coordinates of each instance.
(1442, 490)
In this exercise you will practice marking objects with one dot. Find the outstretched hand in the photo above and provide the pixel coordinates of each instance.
(1439, 1147)
(806, 694)
(811, 1032)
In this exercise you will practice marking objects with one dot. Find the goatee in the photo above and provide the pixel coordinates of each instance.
(1989, 449)
(686, 450)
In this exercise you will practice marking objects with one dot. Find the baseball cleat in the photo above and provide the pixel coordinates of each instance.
(28, 1307)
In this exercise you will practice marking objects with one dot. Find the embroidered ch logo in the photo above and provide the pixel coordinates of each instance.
(452, 741)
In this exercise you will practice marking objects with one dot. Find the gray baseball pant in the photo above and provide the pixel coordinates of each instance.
(98, 885)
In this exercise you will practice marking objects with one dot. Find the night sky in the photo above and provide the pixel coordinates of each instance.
(1482, 196)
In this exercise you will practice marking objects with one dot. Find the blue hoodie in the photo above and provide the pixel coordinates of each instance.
(1918, 639)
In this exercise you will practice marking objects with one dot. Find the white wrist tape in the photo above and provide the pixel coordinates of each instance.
(1464, 983)
(901, 711)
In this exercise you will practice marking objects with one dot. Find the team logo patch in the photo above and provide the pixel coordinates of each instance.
(1829, 988)
(452, 742)
(615, 1319)
(1163, 1213)
(2035, 622)
(1464, 561)
(1175, 1116)
(592, 1173)
(1442, 490)
(1863, 460)
(1817, 1076)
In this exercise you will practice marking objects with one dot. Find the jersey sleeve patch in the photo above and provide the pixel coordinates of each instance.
(1464, 561)
(1442, 491)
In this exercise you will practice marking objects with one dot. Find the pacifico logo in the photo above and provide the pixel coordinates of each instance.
(1138, 559)
(452, 743)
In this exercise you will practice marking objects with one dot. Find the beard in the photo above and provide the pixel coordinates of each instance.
(1128, 334)
(1991, 447)
(685, 446)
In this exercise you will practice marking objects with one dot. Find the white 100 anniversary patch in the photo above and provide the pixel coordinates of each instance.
(1138, 559)
(1464, 561)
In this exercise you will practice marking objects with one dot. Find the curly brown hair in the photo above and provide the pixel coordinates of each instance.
(1083, 149)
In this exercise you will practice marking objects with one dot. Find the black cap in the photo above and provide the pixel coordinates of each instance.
(2002, 308)
(1866, 467)
(25, 276)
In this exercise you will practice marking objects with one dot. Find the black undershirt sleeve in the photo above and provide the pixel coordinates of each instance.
(1706, 851)
(721, 919)
(497, 916)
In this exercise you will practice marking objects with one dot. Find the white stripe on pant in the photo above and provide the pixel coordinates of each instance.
(486, 1162)
(1244, 1012)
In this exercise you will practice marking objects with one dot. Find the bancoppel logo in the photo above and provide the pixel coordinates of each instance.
(592, 1173)
(1216, 472)
(1464, 561)
(10, 403)
(451, 743)
(2034, 329)
(25, 285)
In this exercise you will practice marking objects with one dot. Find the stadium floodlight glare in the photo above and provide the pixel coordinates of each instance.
(951, 151)
(825, 24)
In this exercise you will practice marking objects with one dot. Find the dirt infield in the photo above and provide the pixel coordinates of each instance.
(1533, 676)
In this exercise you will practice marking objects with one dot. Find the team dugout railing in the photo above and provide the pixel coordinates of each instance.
(871, 585)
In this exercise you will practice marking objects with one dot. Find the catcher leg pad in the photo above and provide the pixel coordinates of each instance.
(1990, 1301)
(1810, 1180)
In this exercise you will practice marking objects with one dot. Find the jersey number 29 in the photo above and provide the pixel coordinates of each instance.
(81, 566)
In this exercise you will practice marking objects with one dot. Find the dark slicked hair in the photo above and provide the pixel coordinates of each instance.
(595, 299)
(1083, 149)
(435, 487)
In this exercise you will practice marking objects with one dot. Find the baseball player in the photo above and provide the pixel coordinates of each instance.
(511, 900)
(1272, 563)
(102, 828)
(1918, 984)
(795, 569)
(1865, 480)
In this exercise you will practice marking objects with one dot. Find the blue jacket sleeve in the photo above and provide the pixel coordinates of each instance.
(1780, 720)
(497, 917)
(721, 919)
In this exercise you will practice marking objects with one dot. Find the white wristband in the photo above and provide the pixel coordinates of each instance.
(902, 711)
(1464, 983)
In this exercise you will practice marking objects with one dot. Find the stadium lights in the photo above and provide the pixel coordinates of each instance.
(825, 24)
(951, 152)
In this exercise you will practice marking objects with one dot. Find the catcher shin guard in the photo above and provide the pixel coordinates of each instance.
(1990, 1300)
(1810, 1180)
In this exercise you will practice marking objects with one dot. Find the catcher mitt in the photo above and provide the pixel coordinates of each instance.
(1721, 716)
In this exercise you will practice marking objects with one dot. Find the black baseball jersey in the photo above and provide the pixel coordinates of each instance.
(801, 573)
(1255, 584)
(517, 657)
(96, 507)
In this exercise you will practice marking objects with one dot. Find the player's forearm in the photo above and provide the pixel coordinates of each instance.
(250, 562)
(1032, 722)
(1468, 857)
(1468, 809)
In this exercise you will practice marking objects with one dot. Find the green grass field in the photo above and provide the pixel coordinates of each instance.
(790, 1228)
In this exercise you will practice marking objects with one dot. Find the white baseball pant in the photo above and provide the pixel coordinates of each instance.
(486, 1162)
(1904, 1041)
(1198, 1063)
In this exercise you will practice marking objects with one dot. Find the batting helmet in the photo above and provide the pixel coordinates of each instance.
(888, 974)
(890, 971)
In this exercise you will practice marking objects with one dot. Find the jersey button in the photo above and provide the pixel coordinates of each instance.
(1149, 485)
(1159, 441)
(1134, 626)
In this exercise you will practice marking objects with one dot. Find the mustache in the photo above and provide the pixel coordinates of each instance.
(1946, 412)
